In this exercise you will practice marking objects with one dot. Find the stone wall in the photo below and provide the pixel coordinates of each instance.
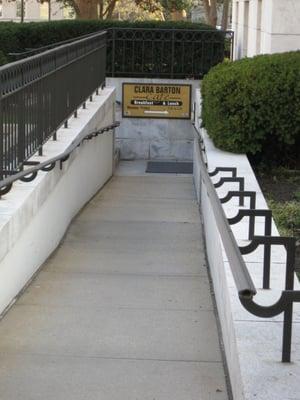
(139, 138)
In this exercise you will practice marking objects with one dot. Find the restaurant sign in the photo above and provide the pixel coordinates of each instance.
(144, 100)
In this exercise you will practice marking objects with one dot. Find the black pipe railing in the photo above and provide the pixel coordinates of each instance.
(242, 278)
(39, 94)
(29, 174)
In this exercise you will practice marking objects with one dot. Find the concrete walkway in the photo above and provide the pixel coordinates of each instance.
(122, 311)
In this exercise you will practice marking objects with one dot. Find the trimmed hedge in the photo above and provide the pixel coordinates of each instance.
(188, 52)
(3, 58)
(16, 37)
(253, 106)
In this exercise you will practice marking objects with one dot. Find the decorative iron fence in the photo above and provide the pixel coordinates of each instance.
(165, 53)
(39, 94)
(159, 53)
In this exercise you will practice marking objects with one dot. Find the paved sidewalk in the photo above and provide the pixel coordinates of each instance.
(122, 310)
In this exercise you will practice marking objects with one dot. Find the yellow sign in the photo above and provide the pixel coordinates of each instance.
(144, 100)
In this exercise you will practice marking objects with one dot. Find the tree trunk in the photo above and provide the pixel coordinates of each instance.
(110, 9)
(207, 9)
(211, 12)
(177, 15)
(225, 15)
(87, 9)
(101, 9)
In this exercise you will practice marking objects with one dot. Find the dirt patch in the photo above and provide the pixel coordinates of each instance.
(281, 188)
(279, 184)
(278, 190)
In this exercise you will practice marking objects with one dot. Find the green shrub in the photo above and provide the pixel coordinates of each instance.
(287, 216)
(253, 106)
(3, 59)
(15, 37)
(8, 39)
(194, 55)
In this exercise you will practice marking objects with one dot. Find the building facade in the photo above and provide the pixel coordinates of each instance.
(33, 10)
(265, 26)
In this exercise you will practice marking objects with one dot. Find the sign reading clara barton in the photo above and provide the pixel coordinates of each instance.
(147, 100)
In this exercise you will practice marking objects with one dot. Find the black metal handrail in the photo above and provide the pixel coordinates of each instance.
(239, 269)
(39, 94)
(242, 278)
(30, 174)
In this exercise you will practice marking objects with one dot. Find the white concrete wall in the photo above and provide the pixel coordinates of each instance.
(57, 10)
(32, 9)
(9, 9)
(139, 138)
(34, 216)
(272, 26)
(252, 345)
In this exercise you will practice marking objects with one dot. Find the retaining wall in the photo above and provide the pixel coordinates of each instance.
(35, 216)
(252, 345)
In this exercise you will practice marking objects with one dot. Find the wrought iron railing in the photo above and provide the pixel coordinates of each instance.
(34, 167)
(159, 53)
(165, 53)
(245, 286)
(39, 94)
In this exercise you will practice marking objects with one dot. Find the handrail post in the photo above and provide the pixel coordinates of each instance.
(252, 217)
(173, 54)
(21, 125)
(287, 333)
(40, 110)
(113, 53)
(267, 252)
(1, 131)
(288, 313)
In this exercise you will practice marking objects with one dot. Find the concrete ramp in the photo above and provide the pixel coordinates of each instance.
(122, 310)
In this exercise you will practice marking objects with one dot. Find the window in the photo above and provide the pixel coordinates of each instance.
(19, 8)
